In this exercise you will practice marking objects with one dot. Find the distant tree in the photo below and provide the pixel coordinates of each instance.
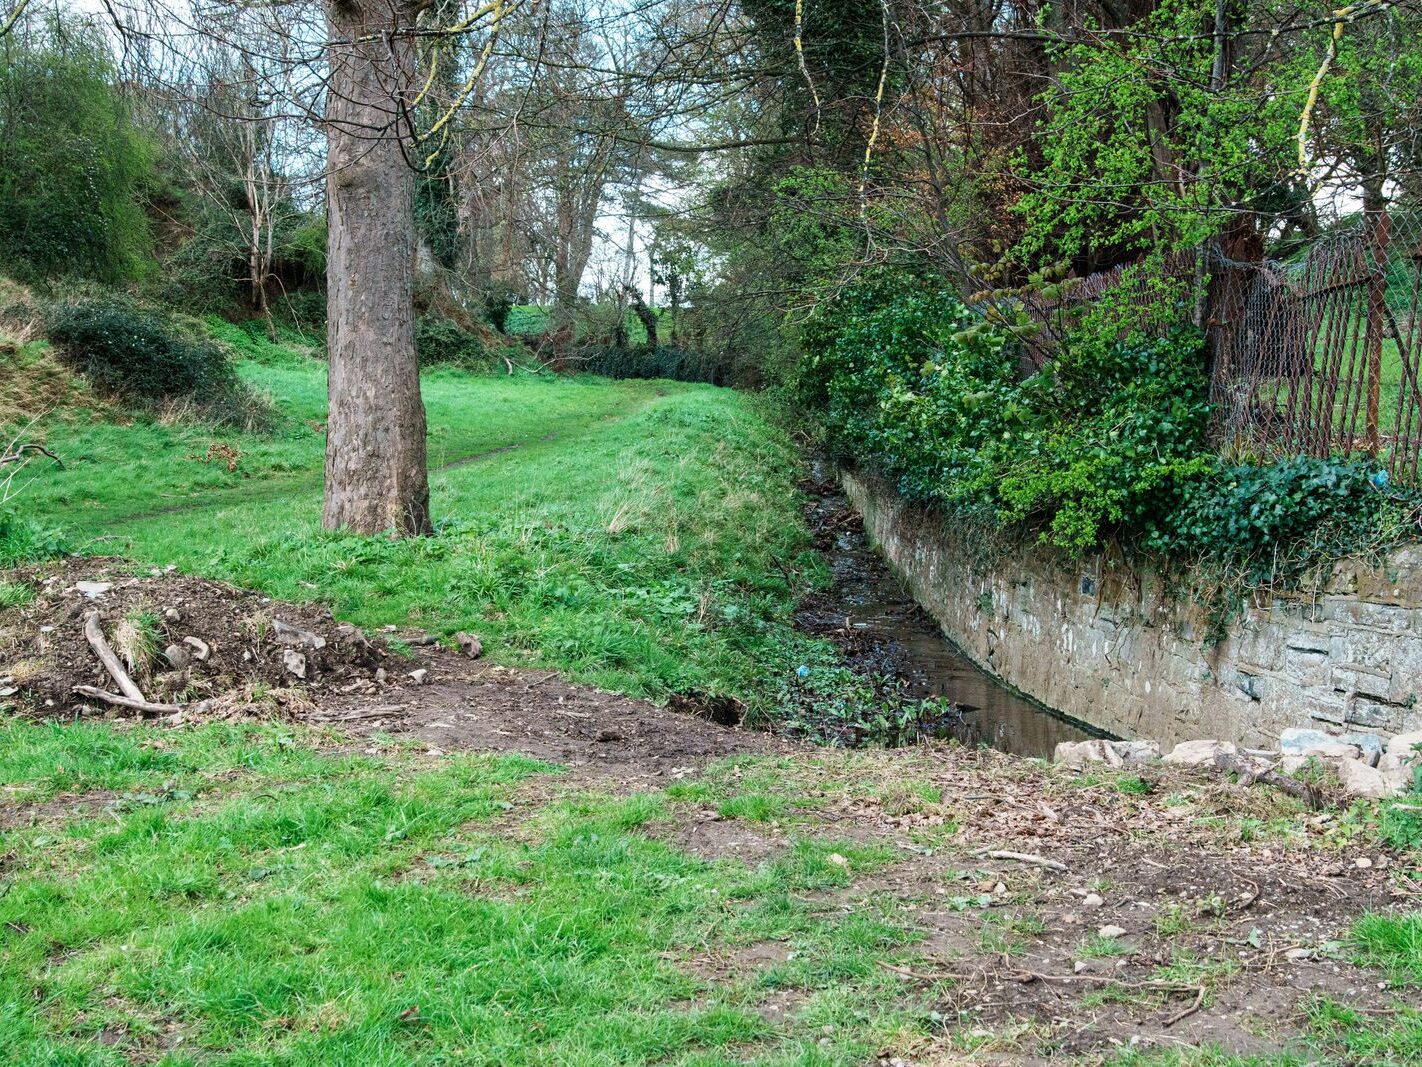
(73, 168)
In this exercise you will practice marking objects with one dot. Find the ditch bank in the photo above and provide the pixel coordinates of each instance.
(1118, 647)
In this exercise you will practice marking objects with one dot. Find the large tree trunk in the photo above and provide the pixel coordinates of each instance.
(376, 479)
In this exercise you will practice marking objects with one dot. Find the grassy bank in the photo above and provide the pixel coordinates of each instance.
(643, 536)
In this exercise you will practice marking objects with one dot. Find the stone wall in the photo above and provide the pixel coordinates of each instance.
(1110, 645)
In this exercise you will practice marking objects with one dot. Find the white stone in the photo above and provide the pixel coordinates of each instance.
(1111, 931)
(294, 662)
(1080, 753)
(1360, 780)
(1298, 740)
(1111, 753)
(1371, 745)
(419, 676)
(1199, 753)
(1404, 746)
(1293, 764)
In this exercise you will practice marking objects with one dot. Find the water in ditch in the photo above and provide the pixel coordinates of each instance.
(869, 606)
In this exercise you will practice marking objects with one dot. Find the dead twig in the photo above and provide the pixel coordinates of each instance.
(1022, 857)
(1249, 773)
(374, 713)
(139, 704)
(29, 446)
(1189, 1010)
(95, 634)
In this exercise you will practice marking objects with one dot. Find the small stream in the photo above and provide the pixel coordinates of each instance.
(893, 633)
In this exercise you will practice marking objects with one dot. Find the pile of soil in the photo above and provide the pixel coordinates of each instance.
(399, 682)
(186, 639)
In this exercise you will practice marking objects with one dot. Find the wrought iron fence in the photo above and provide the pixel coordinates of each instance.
(1320, 356)
(1317, 355)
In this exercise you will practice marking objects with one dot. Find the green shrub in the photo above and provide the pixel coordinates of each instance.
(147, 357)
(1115, 436)
(442, 341)
(1246, 510)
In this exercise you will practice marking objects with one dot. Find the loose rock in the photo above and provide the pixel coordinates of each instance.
(294, 662)
(1360, 780)
(419, 675)
(1405, 746)
(1199, 753)
(296, 636)
(1111, 753)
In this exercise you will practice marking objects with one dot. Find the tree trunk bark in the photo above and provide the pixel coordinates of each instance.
(376, 478)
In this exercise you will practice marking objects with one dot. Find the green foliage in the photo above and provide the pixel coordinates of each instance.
(671, 362)
(1123, 121)
(22, 540)
(1107, 442)
(1101, 441)
(439, 340)
(148, 357)
(72, 166)
(1247, 511)
(821, 699)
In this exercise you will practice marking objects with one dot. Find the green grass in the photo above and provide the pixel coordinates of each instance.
(239, 895)
(643, 536)
(530, 320)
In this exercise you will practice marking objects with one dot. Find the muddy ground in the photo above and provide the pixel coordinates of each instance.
(1226, 934)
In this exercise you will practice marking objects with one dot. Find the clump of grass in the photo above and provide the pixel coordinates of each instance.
(752, 807)
(1392, 943)
(1008, 935)
(138, 638)
(15, 594)
(1172, 920)
(1099, 947)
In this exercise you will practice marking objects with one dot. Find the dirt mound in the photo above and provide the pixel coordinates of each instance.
(182, 639)
(190, 640)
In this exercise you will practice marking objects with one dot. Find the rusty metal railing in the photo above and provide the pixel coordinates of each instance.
(1320, 355)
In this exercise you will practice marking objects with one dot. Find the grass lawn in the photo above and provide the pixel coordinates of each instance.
(643, 536)
(261, 894)
(238, 895)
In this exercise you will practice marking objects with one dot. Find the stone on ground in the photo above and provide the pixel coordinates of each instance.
(1199, 753)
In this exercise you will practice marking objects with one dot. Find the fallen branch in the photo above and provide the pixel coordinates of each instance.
(380, 712)
(1022, 857)
(1249, 773)
(94, 632)
(137, 704)
(1190, 1009)
(20, 450)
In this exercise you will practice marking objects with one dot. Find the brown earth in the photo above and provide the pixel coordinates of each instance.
(1232, 901)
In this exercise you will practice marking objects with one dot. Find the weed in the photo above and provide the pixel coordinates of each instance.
(1099, 947)
(137, 638)
(1392, 943)
(1008, 935)
(15, 594)
(1172, 921)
